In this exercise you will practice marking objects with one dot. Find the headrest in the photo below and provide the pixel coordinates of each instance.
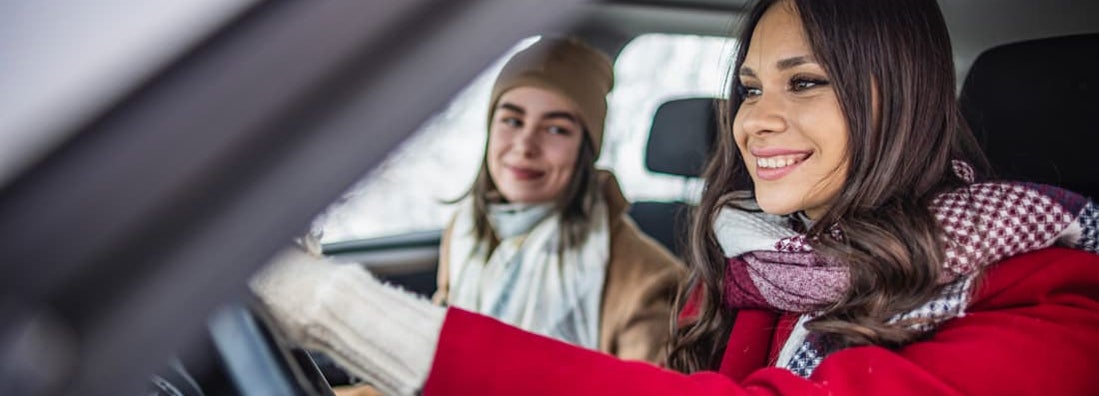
(682, 134)
(1034, 108)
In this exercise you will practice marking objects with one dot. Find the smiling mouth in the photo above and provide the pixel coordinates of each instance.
(525, 174)
(781, 161)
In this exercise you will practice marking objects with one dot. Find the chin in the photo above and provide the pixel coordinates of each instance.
(522, 197)
(776, 205)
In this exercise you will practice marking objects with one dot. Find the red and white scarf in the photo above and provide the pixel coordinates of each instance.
(772, 267)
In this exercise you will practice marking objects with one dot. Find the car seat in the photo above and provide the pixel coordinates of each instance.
(682, 133)
(1034, 108)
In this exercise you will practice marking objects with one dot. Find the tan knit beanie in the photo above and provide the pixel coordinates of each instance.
(569, 67)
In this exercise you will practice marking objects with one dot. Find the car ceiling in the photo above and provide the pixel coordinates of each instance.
(974, 25)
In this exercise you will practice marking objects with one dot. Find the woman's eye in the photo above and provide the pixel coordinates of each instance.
(747, 92)
(512, 122)
(557, 130)
(801, 84)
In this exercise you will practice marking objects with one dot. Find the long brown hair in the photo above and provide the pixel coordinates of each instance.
(898, 161)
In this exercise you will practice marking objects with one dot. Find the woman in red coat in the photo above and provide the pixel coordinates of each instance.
(867, 256)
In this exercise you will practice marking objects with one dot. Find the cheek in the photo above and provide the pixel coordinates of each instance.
(566, 165)
(827, 128)
(829, 133)
(740, 138)
(562, 157)
(820, 121)
(493, 153)
(497, 144)
(740, 152)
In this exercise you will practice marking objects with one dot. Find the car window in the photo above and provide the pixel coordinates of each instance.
(410, 191)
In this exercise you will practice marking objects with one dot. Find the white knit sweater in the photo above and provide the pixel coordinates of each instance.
(378, 332)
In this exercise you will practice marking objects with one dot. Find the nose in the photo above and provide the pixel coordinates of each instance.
(526, 141)
(766, 115)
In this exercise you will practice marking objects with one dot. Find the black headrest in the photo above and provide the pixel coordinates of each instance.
(1034, 107)
(681, 136)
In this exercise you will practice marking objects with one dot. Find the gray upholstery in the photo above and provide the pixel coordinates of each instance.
(1032, 106)
(680, 140)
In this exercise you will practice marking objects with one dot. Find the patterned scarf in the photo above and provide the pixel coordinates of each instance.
(770, 266)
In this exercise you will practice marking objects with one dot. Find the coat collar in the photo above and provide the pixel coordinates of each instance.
(617, 205)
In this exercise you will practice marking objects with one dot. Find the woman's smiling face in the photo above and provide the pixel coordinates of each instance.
(533, 144)
(789, 129)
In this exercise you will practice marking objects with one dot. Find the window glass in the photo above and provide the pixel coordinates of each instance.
(651, 70)
(410, 190)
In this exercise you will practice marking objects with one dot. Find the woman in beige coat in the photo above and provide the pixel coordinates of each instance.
(543, 240)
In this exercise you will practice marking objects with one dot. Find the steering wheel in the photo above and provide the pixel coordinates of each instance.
(244, 353)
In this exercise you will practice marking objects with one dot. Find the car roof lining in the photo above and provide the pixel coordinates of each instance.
(974, 26)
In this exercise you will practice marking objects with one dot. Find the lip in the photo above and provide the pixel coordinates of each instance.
(771, 174)
(524, 174)
(764, 152)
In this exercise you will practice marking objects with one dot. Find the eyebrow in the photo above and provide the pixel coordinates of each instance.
(551, 115)
(509, 106)
(562, 115)
(781, 65)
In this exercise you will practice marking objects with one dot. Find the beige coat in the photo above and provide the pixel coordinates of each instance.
(642, 279)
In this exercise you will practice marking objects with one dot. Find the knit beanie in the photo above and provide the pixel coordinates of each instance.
(569, 67)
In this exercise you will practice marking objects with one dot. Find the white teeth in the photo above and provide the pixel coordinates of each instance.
(777, 162)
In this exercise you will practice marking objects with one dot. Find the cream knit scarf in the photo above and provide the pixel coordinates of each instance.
(529, 280)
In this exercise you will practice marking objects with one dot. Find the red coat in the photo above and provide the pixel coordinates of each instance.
(1032, 328)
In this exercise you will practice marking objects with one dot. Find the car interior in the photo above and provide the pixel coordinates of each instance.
(128, 244)
(1047, 112)
(680, 140)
